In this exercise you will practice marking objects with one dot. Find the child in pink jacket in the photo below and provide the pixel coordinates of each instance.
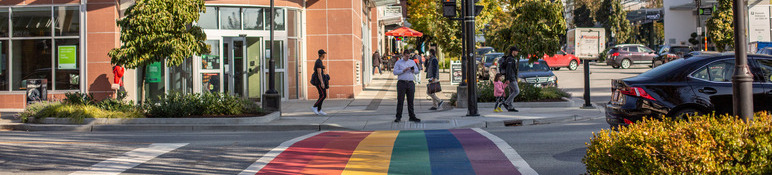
(498, 91)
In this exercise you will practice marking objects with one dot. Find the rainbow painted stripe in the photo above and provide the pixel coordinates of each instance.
(461, 151)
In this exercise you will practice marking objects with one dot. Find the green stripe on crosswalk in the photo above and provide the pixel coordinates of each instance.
(410, 154)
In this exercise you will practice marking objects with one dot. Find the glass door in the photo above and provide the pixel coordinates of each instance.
(279, 64)
(254, 68)
(235, 69)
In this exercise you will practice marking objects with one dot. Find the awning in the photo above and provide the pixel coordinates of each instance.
(404, 32)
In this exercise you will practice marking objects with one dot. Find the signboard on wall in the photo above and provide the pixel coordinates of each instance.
(455, 72)
(758, 23)
(154, 74)
(67, 57)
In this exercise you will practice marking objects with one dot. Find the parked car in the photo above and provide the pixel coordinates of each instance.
(765, 51)
(480, 52)
(484, 70)
(669, 53)
(562, 59)
(701, 84)
(625, 55)
(537, 74)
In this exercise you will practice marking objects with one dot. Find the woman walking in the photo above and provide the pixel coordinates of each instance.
(318, 79)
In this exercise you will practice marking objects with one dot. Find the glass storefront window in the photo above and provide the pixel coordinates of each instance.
(3, 22)
(67, 60)
(210, 82)
(31, 21)
(211, 61)
(208, 20)
(278, 53)
(231, 18)
(278, 21)
(293, 23)
(31, 60)
(4, 65)
(67, 21)
(254, 18)
(181, 77)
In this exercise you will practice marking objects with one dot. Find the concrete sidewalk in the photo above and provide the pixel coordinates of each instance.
(375, 107)
(372, 109)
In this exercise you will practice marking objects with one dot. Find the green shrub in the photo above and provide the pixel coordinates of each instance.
(78, 98)
(453, 99)
(527, 92)
(116, 105)
(176, 104)
(75, 112)
(702, 145)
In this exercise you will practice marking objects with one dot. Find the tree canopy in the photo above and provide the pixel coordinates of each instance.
(426, 16)
(157, 30)
(720, 26)
(534, 26)
(613, 17)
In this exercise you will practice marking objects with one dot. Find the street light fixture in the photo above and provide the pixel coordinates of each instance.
(742, 80)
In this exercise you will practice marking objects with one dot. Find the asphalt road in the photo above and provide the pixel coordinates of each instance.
(549, 149)
(572, 81)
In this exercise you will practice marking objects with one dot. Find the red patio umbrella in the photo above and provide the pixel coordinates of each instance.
(404, 32)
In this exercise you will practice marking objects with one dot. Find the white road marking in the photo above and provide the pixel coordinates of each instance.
(130, 159)
(268, 157)
(510, 152)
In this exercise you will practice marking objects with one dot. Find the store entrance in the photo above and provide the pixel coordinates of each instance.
(242, 73)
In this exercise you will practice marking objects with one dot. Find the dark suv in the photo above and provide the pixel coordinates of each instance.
(700, 84)
(625, 55)
(669, 53)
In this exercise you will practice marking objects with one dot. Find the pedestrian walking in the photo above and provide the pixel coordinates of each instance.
(321, 81)
(419, 63)
(508, 67)
(498, 92)
(433, 75)
(377, 63)
(405, 69)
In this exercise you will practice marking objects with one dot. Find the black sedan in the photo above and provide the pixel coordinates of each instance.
(669, 53)
(537, 74)
(701, 84)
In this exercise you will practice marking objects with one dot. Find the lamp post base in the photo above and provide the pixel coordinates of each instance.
(271, 102)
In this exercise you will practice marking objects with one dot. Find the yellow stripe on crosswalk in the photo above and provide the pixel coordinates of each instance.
(373, 154)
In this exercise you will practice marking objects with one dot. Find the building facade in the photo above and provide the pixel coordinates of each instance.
(67, 41)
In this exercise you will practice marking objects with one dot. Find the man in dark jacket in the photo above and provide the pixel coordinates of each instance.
(433, 75)
(508, 67)
(377, 62)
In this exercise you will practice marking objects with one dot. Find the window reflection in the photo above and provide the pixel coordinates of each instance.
(208, 20)
(31, 21)
(254, 18)
(67, 21)
(231, 18)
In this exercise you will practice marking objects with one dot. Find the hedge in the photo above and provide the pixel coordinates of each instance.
(700, 145)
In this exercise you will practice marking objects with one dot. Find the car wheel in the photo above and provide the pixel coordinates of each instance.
(615, 67)
(555, 68)
(626, 63)
(685, 114)
(656, 63)
(573, 65)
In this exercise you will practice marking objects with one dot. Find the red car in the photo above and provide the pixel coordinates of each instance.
(561, 59)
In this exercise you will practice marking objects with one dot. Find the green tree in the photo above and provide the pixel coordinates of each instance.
(426, 16)
(537, 26)
(614, 18)
(583, 17)
(720, 26)
(158, 30)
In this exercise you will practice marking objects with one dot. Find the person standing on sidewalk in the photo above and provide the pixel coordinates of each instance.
(405, 70)
(498, 92)
(377, 63)
(419, 63)
(318, 79)
(508, 67)
(433, 75)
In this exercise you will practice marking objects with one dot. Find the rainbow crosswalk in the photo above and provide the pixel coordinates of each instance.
(459, 151)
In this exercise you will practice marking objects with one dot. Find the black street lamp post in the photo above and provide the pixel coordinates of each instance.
(469, 13)
(742, 80)
(271, 98)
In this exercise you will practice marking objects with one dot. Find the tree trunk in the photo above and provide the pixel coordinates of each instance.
(142, 75)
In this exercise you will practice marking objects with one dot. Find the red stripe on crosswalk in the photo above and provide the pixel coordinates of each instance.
(297, 156)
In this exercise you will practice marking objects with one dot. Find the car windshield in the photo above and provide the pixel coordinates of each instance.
(679, 50)
(539, 66)
(491, 58)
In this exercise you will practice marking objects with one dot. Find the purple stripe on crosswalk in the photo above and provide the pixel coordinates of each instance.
(483, 154)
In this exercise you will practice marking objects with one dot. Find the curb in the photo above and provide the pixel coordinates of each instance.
(167, 128)
(168, 121)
